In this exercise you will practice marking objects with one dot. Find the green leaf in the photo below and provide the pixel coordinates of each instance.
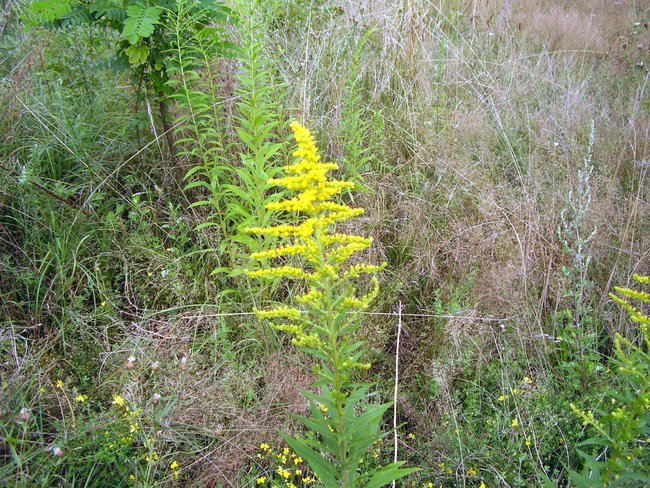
(140, 22)
(137, 54)
(388, 474)
(325, 470)
(48, 11)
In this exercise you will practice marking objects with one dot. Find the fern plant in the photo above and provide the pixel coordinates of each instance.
(344, 422)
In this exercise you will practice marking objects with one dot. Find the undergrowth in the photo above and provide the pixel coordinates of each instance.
(499, 151)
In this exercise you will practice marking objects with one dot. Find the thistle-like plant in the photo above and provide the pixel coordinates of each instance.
(344, 422)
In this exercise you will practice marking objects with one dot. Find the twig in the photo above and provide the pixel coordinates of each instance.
(399, 335)
(49, 192)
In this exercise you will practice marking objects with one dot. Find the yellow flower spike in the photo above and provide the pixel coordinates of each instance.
(312, 250)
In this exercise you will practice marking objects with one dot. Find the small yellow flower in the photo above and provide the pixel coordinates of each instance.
(261, 480)
(119, 401)
(503, 398)
(527, 380)
(482, 485)
(265, 447)
(322, 407)
(59, 383)
(528, 442)
(515, 391)
(411, 436)
(174, 465)
(429, 485)
(297, 460)
(81, 398)
(284, 473)
(131, 476)
(514, 423)
(472, 472)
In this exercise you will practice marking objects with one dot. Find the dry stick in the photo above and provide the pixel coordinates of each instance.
(399, 334)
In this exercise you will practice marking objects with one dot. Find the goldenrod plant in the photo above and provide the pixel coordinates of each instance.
(199, 127)
(345, 422)
(621, 456)
(257, 123)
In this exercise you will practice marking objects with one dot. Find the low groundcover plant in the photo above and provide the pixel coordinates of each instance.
(344, 423)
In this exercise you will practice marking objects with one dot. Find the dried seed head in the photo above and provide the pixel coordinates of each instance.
(130, 363)
(24, 415)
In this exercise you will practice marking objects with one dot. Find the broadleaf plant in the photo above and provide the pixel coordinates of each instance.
(345, 419)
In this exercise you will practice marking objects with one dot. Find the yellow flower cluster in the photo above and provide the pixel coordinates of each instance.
(636, 315)
(313, 240)
(278, 312)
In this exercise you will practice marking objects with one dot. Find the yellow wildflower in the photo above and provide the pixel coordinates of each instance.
(174, 465)
(514, 423)
(119, 401)
(59, 383)
(285, 473)
(528, 380)
(81, 398)
(261, 480)
(503, 398)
